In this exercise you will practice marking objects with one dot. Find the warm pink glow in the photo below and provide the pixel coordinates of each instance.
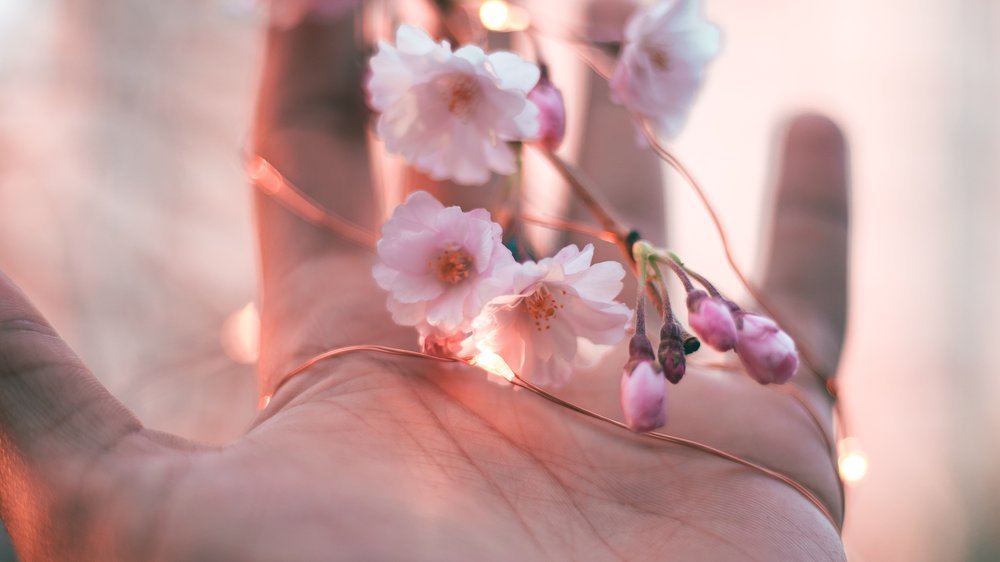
(493, 364)
(240, 335)
(852, 462)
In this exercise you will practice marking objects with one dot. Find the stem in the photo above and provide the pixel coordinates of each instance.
(679, 272)
(640, 299)
(581, 188)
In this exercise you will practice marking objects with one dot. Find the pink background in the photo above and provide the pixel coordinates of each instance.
(125, 215)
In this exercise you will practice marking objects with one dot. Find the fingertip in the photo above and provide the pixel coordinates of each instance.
(817, 129)
(814, 166)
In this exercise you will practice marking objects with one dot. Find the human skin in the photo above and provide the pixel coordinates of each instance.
(370, 457)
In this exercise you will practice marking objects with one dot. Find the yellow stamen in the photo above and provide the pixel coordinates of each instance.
(454, 265)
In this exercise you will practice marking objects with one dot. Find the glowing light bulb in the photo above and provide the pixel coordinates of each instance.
(852, 461)
(493, 364)
(494, 14)
(241, 334)
(498, 15)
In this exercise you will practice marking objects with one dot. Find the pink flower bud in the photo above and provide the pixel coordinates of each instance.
(644, 398)
(671, 351)
(711, 319)
(767, 352)
(552, 113)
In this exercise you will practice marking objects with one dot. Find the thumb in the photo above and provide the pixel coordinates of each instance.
(806, 268)
(54, 414)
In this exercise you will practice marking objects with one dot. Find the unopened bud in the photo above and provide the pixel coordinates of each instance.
(671, 352)
(551, 112)
(643, 396)
(711, 319)
(767, 352)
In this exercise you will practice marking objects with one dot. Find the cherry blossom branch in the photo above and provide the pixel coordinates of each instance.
(580, 186)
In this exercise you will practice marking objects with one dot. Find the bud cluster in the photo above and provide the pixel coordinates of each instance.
(766, 351)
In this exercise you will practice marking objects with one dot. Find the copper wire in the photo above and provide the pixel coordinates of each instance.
(522, 383)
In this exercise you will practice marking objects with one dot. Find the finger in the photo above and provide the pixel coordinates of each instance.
(629, 177)
(806, 268)
(53, 412)
(311, 126)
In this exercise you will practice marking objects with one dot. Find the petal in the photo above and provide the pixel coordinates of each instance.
(411, 251)
(448, 310)
(411, 288)
(601, 282)
(406, 314)
(414, 40)
(513, 72)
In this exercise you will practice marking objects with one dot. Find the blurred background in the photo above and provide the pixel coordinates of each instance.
(124, 214)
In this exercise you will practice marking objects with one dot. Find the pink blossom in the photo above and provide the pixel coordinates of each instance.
(554, 302)
(667, 46)
(448, 113)
(643, 396)
(552, 113)
(439, 342)
(439, 263)
(712, 320)
(767, 352)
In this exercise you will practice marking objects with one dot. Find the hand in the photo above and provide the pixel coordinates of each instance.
(367, 457)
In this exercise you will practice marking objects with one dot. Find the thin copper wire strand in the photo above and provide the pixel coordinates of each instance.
(690, 443)
(589, 55)
(518, 381)
(570, 226)
(273, 183)
(270, 181)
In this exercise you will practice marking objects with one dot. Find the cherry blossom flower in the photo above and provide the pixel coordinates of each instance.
(450, 113)
(767, 352)
(554, 302)
(286, 14)
(439, 263)
(667, 46)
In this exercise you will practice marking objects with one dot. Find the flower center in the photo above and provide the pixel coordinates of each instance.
(461, 94)
(542, 307)
(658, 57)
(453, 265)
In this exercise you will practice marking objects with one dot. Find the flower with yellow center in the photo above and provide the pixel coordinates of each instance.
(439, 264)
(450, 114)
(662, 64)
(555, 302)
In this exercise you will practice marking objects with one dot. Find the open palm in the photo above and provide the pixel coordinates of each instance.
(368, 457)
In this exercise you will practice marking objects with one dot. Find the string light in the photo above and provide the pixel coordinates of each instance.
(852, 461)
(241, 335)
(497, 15)
(493, 364)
